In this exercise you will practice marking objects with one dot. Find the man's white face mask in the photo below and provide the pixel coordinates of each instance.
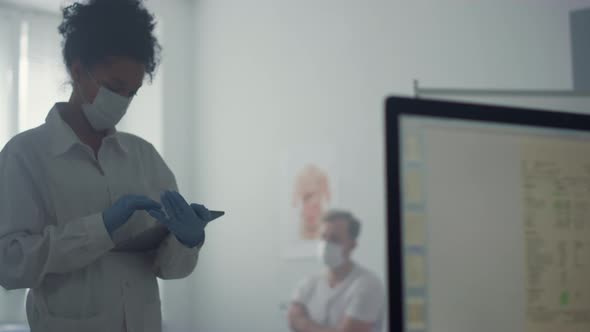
(107, 109)
(330, 254)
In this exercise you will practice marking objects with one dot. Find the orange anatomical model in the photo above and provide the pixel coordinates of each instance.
(310, 197)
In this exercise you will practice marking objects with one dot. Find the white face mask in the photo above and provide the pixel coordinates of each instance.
(330, 254)
(107, 109)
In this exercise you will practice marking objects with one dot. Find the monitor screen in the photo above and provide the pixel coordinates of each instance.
(494, 222)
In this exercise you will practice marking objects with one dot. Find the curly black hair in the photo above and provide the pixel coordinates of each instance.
(97, 29)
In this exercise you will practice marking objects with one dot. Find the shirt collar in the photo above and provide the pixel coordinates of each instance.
(63, 137)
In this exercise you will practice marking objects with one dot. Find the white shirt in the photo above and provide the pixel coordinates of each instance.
(53, 239)
(360, 296)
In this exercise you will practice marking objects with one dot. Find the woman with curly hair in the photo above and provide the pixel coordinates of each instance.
(89, 216)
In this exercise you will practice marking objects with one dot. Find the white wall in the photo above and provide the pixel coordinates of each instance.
(271, 74)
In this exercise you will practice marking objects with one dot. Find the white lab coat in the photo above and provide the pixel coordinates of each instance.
(53, 240)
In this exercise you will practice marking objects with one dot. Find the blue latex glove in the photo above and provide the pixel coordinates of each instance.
(118, 214)
(202, 212)
(186, 222)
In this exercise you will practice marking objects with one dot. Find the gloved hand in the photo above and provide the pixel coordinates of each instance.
(186, 222)
(118, 214)
(202, 212)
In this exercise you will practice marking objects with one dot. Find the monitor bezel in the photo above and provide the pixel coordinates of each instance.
(395, 108)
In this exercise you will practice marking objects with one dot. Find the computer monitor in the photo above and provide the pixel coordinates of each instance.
(489, 218)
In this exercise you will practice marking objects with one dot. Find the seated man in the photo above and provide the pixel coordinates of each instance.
(346, 297)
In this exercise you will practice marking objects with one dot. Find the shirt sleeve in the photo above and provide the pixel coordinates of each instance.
(368, 301)
(303, 291)
(31, 247)
(173, 259)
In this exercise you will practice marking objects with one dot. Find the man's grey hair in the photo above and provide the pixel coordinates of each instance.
(354, 225)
